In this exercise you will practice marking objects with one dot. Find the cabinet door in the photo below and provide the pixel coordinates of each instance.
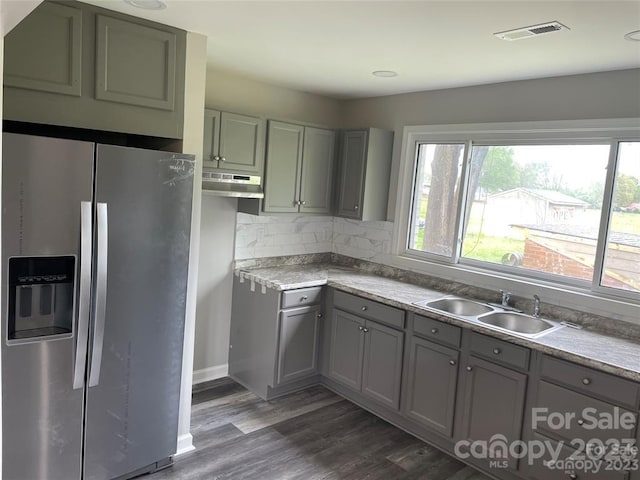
(347, 349)
(317, 170)
(298, 343)
(144, 75)
(284, 157)
(211, 138)
(493, 402)
(432, 384)
(43, 52)
(241, 143)
(382, 364)
(352, 171)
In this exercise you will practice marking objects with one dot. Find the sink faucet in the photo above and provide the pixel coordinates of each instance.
(506, 296)
(536, 306)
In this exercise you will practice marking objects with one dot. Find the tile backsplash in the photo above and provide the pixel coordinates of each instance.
(272, 236)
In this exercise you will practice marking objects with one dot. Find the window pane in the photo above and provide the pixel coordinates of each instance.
(435, 198)
(622, 256)
(536, 207)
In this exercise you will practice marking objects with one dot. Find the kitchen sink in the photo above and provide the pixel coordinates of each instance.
(518, 323)
(459, 306)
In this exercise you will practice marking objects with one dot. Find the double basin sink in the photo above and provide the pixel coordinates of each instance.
(493, 316)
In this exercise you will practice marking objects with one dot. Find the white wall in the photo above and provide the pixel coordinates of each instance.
(192, 141)
(597, 95)
(229, 92)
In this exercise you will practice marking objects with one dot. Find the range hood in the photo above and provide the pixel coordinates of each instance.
(231, 184)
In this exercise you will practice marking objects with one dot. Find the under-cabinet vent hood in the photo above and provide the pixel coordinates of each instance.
(231, 185)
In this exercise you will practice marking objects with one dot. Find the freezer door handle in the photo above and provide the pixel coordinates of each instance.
(100, 304)
(84, 295)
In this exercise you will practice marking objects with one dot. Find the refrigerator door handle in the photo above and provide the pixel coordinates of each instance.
(84, 296)
(100, 305)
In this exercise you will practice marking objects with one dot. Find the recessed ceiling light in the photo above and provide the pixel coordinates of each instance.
(384, 73)
(633, 36)
(147, 4)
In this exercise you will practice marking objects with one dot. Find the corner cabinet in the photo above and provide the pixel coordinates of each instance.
(299, 169)
(75, 65)
(233, 142)
(365, 166)
(274, 338)
(366, 355)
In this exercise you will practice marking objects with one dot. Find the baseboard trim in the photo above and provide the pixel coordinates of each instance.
(211, 373)
(185, 444)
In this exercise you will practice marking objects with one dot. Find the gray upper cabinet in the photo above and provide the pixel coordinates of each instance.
(365, 165)
(432, 385)
(366, 356)
(54, 63)
(299, 169)
(233, 142)
(135, 64)
(75, 65)
(298, 343)
(492, 402)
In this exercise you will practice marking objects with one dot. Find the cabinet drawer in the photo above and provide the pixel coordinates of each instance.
(301, 297)
(544, 469)
(582, 417)
(436, 330)
(369, 309)
(499, 351)
(592, 382)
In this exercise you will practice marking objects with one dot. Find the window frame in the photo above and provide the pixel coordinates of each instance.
(557, 289)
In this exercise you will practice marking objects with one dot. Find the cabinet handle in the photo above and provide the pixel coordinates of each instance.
(213, 157)
(496, 351)
(223, 159)
(320, 315)
(303, 298)
(586, 381)
(573, 476)
(365, 329)
(364, 308)
(452, 362)
(356, 207)
(580, 421)
(360, 327)
(303, 202)
(434, 330)
(469, 368)
(296, 202)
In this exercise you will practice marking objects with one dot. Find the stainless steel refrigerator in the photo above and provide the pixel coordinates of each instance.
(95, 250)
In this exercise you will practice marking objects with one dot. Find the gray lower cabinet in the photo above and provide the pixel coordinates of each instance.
(365, 165)
(274, 338)
(299, 169)
(233, 142)
(298, 343)
(366, 356)
(75, 65)
(492, 404)
(432, 385)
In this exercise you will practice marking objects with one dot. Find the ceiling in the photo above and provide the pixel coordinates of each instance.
(331, 47)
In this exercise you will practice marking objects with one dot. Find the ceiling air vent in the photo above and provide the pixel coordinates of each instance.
(532, 31)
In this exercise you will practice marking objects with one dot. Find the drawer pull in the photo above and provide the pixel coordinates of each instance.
(364, 308)
(365, 329)
(452, 362)
(360, 327)
(496, 351)
(304, 298)
(320, 315)
(573, 476)
(434, 330)
(580, 421)
(586, 381)
(469, 368)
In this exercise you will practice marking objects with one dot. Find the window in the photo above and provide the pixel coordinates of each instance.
(526, 200)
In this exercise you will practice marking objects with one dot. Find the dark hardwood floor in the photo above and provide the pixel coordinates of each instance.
(313, 434)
